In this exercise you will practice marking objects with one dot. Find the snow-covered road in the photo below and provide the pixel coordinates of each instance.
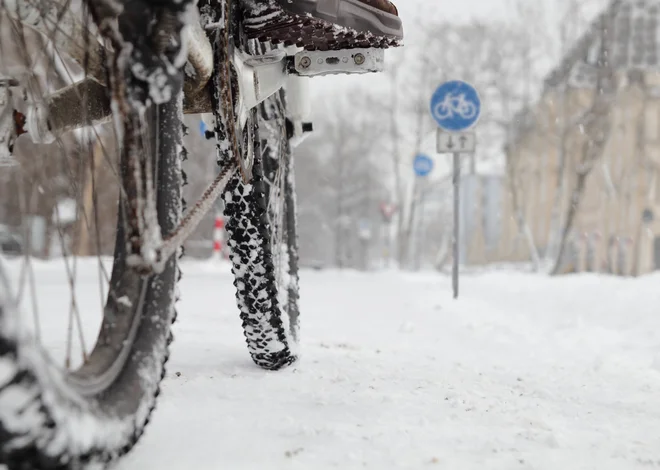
(521, 372)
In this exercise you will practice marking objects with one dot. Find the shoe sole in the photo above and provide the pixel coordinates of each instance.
(322, 24)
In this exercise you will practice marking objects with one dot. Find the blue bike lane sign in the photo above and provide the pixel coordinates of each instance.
(422, 165)
(456, 106)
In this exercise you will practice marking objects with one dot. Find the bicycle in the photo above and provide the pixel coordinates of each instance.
(144, 65)
(455, 105)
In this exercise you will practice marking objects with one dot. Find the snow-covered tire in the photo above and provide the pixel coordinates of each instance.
(51, 419)
(266, 323)
(263, 297)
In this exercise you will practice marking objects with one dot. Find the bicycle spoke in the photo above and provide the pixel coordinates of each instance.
(28, 268)
(35, 308)
(103, 275)
(86, 217)
(33, 61)
(69, 335)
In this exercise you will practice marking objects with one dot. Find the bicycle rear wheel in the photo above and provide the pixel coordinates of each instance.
(95, 407)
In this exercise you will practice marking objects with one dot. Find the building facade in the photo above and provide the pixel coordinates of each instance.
(616, 227)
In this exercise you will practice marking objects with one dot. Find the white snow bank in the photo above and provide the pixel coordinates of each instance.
(523, 371)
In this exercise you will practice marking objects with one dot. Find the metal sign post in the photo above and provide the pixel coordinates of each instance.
(456, 107)
(455, 248)
(387, 210)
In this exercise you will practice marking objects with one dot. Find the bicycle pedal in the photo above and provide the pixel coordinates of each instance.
(313, 26)
(344, 61)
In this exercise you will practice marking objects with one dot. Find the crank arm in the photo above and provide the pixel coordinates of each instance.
(259, 77)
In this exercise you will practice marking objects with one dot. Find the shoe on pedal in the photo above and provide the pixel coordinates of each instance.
(324, 24)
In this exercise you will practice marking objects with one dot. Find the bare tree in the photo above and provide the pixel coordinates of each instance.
(340, 183)
(569, 30)
(594, 127)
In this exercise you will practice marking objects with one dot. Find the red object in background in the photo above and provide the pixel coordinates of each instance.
(19, 122)
(387, 210)
(218, 235)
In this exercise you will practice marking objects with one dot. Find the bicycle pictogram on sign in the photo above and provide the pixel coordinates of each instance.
(455, 106)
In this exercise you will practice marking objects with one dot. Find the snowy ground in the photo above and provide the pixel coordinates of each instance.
(522, 372)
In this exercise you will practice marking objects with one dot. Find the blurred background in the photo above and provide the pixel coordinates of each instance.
(531, 195)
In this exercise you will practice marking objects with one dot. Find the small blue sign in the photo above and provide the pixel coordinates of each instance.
(422, 165)
(455, 106)
(202, 127)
